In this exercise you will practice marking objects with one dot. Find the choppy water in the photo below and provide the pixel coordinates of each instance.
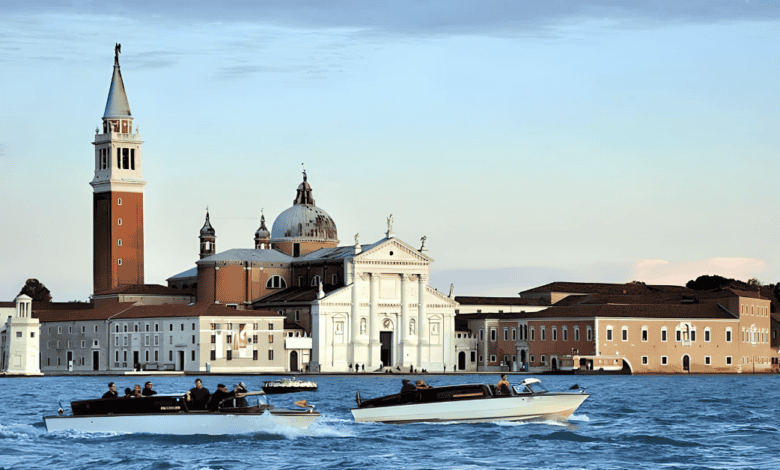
(693, 422)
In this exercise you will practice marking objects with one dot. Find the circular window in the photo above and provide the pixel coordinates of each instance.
(391, 253)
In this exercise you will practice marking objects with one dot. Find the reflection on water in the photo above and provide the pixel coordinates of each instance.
(628, 422)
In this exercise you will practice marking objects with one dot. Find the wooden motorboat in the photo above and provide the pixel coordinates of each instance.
(470, 403)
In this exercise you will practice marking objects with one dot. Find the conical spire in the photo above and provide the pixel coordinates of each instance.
(207, 229)
(262, 232)
(117, 105)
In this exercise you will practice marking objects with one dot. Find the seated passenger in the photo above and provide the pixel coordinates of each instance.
(128, 393)
(502, 387)
(136, 393)
(148, 390)
(111, 393)
(240, 394)
(421, 385)
(218, 396)
(407, 386)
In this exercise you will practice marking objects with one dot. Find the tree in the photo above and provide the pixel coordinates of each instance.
(754, 282)
(36, 290)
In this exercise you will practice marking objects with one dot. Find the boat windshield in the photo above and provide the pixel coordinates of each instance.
(530, 388)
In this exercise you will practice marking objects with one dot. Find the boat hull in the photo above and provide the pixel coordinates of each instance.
(186, 423)
(550, 406)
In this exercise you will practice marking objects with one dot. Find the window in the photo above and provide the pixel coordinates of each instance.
(664, 360)
(170, 327)
(543, 359)
(576, 333)
(609, 333)
(156, 340)
(119, 242)
(624, 333)
(270, 326)
(156, 356)
(589, 333)
(506, 334)
(270, 354)
(270, 338)
(728, 360)
(59, 330)
(229, 339)
(193, 327)
(707, 360)
(663, 334)
(542, 331)
(315, 281)
(182, 326)
(254, 355)
(213, 355)
(297, 315)
(146, 340)
(119, 222)
(565, 333)
(473, 356)
(493, 334)
(170, 355)
(83, 343)
(276, 282)
(644, 334)
(335, 279)
(213, 339)
(156, 327)
(492, 358)
(728, 335)
(193, 355)
(193, 339)
(95, 343)
(83, 329)
(254, 339)
(693, 336)
(532, 333)
(533, 358)
(678, 335)
(19, 335)
(119, 202)
(555, 334)
(146, 356)
(644, 360)
(229, 355)
(514, 334)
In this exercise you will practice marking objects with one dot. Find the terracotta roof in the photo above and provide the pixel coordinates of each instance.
(7, 304)
(125, 310)
(147, 289)
(602, 299)
(466, 300)
(290, 325)
(632, 288)
(707, 309)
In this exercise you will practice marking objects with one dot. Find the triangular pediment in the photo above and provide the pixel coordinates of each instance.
(339, 296)
(390, 250)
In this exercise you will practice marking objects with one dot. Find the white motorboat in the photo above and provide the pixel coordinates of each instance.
(471, 403)
(289, 385)
(169, 414)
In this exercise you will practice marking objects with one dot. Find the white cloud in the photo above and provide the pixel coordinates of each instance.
(654, 271)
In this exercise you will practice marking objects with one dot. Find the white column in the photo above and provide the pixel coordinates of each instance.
(355, 321)
(422, 322)
(374, 352)
(404, 326)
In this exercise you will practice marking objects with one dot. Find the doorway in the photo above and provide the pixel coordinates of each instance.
(181, 360)
(686, 363)
(294, 361)
(69, 362)
(554, 364)
(386, 348)
(136, 360)
(95, 360)
(462, 361)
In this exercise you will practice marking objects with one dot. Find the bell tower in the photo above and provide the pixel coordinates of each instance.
(118, 194)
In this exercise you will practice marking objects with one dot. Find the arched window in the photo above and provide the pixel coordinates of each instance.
(276, 282)
(609, 333)
(532, 333)
(564, 333)
(664, 334)
(554, 334)
(576, 333)
(645, 334)
(315, 281)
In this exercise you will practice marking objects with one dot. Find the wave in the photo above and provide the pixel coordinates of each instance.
(659, 440)
(567, 436)
(19, 431)
(579, 418)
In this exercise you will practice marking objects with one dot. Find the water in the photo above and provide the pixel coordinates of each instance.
(641, 422)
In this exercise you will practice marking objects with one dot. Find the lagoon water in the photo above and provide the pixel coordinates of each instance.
(629, 422)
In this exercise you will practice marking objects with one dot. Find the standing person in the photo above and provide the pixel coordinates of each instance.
(111, 393)
(148, 391)
(198, 396)
(445, 368)
(502, 387)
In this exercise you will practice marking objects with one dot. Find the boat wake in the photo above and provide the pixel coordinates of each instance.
(19, 431)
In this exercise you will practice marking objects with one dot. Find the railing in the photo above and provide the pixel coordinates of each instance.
(117, 137)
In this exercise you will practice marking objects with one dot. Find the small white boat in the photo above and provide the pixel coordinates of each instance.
(168, 414)
(471, 403)
(288, 385)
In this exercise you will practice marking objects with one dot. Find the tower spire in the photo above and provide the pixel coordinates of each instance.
(117, 105)
(208, 238)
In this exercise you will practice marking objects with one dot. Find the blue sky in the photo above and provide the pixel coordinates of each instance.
(529, 141)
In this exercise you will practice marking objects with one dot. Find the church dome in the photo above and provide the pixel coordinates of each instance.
(304, 221)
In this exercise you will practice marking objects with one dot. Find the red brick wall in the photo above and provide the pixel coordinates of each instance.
(108, 273)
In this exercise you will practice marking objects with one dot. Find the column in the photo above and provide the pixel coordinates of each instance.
(355, 328)
(404, 325)
(374, 345)
(423, 354)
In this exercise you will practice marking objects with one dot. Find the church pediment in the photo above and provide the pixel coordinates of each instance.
(392, 250)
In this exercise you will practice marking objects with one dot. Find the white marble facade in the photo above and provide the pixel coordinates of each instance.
(386, 315)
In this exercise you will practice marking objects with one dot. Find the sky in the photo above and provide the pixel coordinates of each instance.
(530, 142)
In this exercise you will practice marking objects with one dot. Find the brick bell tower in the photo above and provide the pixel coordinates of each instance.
(118, 194)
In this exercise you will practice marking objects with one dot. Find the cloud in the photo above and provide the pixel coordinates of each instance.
(653, 271)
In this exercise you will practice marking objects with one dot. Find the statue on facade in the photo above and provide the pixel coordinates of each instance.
(452, 290)
(390, 223)
(357, 239)
(422, 247)
(117, 51)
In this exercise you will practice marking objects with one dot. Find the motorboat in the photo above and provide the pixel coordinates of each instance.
(470, 403)
(288, 385)
(169, 414)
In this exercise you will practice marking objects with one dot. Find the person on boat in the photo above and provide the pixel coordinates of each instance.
(111, 393)
(198, 396)
(240, 400)
(128, 392)
(407, 386)
(148, 391)
(218, 396)
(502, 387)
(137, 393)
(421, 385)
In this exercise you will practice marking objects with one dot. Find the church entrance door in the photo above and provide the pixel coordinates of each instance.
(462, 361)
(294, 361)
(386, 348)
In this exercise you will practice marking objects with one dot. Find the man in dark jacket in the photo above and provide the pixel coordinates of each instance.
(220, 395)
(198, 397)
(111, 393)
(148, 391)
